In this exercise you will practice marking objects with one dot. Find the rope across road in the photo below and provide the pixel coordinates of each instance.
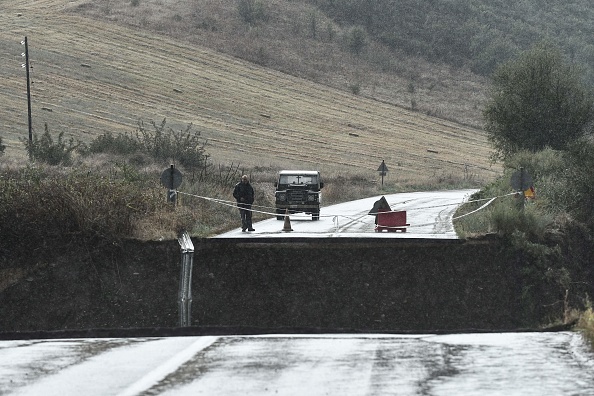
(271, 211)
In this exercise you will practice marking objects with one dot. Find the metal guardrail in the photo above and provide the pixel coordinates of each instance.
(185, 280)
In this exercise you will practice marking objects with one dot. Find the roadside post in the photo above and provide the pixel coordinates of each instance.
(521, 181)
(383, 170)
(171, 178)
(185, 279)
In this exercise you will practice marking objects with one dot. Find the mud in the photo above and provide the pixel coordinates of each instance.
(382, 285)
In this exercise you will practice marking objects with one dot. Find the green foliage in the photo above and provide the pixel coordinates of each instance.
(108, 143)
(580, 181)
(586, 324)
(548, 235)
(252, 11)
(521, 225)
(355, 88)
(505, 214)
(490, 51)
(45, 149)
(43, 205)
(537, 101)
(479, 33)
(313, 23)
(356, 40)
(436, 29)
(547, 168)
(160, 142)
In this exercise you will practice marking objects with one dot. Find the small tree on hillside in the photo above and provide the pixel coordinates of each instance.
(252, 11)
(50, 151)
(357, 40)
(580, 180)
(537, 101)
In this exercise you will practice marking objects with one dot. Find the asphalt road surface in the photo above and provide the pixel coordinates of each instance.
(332, 364)
(339, 364)
(428, 213)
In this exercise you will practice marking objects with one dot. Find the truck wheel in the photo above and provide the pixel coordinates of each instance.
(280, 215)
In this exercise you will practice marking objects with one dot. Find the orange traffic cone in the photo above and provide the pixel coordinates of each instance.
(287, 225)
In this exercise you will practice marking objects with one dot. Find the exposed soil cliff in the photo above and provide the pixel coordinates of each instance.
(382, 285)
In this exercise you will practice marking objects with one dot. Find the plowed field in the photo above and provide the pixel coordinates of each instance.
(90, 77)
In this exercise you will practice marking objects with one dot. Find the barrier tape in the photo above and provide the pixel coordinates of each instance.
(335, 217)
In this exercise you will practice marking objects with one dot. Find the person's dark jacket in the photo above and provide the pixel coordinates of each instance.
(244, 191)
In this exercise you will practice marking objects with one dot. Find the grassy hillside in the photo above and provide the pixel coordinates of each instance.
(92, 76)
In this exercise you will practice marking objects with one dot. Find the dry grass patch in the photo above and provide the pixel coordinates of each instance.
(97, 76)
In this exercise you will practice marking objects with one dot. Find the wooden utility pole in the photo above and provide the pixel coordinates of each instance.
(26, 66)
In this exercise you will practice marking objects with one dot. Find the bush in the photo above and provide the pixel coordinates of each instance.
(252, 11)
(357, 40)
(580, 181)
(185, 147)
(108, 143)
(2, 146)
(548, 170)
(44, 205)
(537, 101)
(45, 149)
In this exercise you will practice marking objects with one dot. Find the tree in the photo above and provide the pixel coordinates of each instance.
(357, 40)
(252, 11)
(537, 101)
(580, 180)
(45, 149)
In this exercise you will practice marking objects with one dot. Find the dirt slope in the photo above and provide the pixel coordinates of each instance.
(90, 77)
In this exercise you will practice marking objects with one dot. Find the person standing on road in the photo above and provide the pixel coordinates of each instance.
(244, 194)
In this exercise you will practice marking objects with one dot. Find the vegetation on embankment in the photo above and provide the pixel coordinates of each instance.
(110, 190)
(586, 324)
(539, 119)
(98, 92)
(93, 204)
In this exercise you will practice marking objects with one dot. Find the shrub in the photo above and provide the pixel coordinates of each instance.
(108, 143)
(537, 101)
(580, 181)
(252, 11)
(586, 324)
(45, 205)
(184, 147)
(2, 146)
(548, 170)
(355, 88)
(357, 40)
(45, 149)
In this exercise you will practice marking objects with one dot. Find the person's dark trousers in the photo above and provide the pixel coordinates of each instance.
(246, 216)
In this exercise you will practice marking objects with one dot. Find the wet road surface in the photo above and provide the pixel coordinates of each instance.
(458, 364)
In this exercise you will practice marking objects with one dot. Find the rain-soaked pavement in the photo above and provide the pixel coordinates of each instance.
(429, 214)
(530, 363)
(457, 364)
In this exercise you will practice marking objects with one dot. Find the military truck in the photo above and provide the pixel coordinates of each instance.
(298, 191)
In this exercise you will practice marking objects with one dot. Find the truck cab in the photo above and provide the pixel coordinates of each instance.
(298, 191)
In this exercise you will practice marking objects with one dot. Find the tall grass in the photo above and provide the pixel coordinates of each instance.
(110, 188)
(550, 238)
(110, 196)
(586, 324)
(511, 212)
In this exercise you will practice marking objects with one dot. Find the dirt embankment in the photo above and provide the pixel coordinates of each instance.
(381, 285)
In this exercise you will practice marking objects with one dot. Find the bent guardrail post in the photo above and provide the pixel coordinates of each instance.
(185, 279)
